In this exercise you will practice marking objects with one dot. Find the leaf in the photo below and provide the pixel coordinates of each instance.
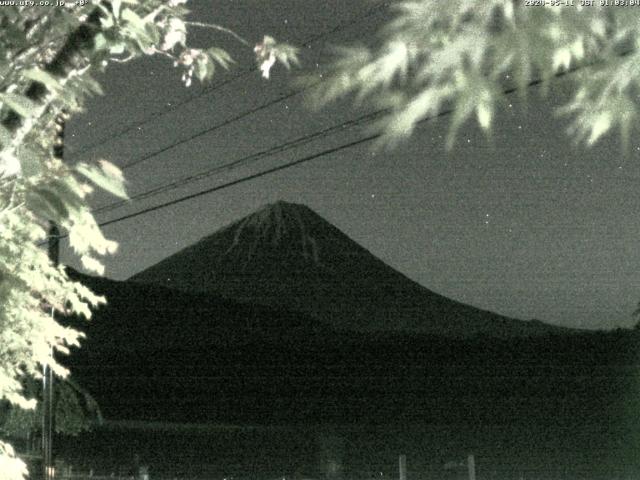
(137, 28)
(561, 59)
(48, 80)
(100, 42)
(220, 56)
(484, 115)
(5, 135)
(111, 170)
(117, 48)
(92, 85)
(599, 127)
(103, 178)
(154, 32)
(269, 51)
(46, 203)
(106, 22)
(134, 20)
(30, 162)
(115, 5)
(69, 192)
(286, 54)
(92, 264)
(13, 36)
(203, 68)
(9, 164)
(465, 104)
(19, 103)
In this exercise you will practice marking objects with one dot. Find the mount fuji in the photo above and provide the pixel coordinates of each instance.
(287, 256)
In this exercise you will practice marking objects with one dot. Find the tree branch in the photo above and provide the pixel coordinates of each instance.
(220, 29)
(80, 39)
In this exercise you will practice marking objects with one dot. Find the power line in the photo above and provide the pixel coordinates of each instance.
(308, 158)
(303, 140)
(297, 142)
(268, 171)
(244, 179)
(244, 160)
(305, 159)
(207, 130)
(155, 116)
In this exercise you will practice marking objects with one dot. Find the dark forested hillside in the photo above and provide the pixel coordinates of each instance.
(158, 353)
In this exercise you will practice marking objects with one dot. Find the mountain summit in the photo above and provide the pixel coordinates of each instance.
(286, 255)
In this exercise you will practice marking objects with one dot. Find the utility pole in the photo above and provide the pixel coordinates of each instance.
(53, 245)
(47, 373)
(402, 464)
(471, 467)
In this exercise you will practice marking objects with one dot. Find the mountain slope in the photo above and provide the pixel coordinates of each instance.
(152, 317)
(287, 256)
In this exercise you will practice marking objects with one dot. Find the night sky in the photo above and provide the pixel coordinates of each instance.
(524, 224)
